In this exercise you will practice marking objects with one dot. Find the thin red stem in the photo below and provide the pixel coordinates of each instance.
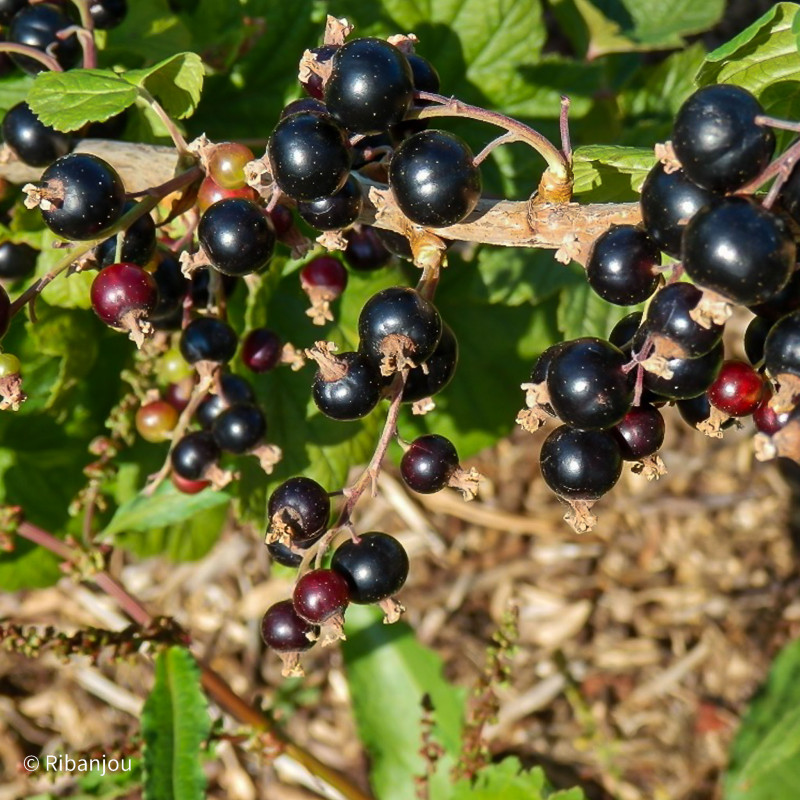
(32, 52)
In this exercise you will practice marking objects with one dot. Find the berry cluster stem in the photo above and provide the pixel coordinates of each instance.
(32, 52)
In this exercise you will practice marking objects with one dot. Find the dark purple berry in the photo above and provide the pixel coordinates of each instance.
(234, 390)
(365, 251)
(303, 507)
(324, 273)
(121, 290)
(375, 567)
(641, 433)
(313, 85)
(194, 454)
(208, 339)
(37, 26)
(429, 463)
(284, 631)
(33, 142)
(320, 594)
(766, 419)
(261, 350)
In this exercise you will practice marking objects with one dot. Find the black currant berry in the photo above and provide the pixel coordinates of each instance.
(766, 419)
(304, 105)
(397, 244)
(123, 290)
(201, 282)
(695, 410)
(233, 390)
(208, 339)
(782, 346)
(303, 507)
(399, 322)
(320, 594)
(426, 78)
(86, 196)
(370, 86)
(239, 428)
(375, 567)
(33, 142)
(755, 337)
(38, 26)
(739, 250)
(338, 211)
(138, 242)
(641, 433)
(622, 265)
(172, 287)
(690, 376)
(261, 350)
(365, 251)
(284, 631)
(237, 236)
(623, 332)
(669, 200)
(350, 391)
(587, 386)
(5, 312)
(783, 302)
(717, 140)
(441, 366)
(108, 14)
(284, 555)
(580, 465)
(10, 7)
(429, 463)
(309, 155)
(434, 179)
(669, 316)
(194, 454)
(17, 260)
(541, 369)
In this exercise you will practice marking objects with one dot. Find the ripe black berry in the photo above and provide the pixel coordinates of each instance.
(108, 14)
(320, 594)
(284, 631)
(669, 200)
(208, 339)
(641, 433)
(429, 463)
(755, 336)
(233, 390)
(112, 128)
(86, 193)
(541, 369)
(138, 242)
(284, 555)
(783, 302)
(351, 392)
(739, 250)
(239, 428)
(737, 390)
(32, 141)
(399, 323)
(37, 26)
(434, 179)
(172, 287)
(621, 266)
(237, 236)
(302, 506)
(375, 567)
(261, 350)
(789, 195)
(690, 376)
(717, 140)
(201, 282)
(623, 332)
(303, 105)
(365, 251)
(580, 465)
(123, 290)
(17, 260)
(441, 366)
(194, 454)
(370, 87)
(587, 386)
(309, 156)
(782, 347)
(337, 211)
(10, 7)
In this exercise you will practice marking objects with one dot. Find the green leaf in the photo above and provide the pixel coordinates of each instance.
(69, 100)
(764, 59)
(606, 173)
(175, 723)
(582, 313)
(388, 673)
(509, 781)
(66, 290)
(14, 89)
(177, 83)
(765, 756)
(150, 32)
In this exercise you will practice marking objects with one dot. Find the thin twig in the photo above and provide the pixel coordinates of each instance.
(175, 134)
(32, 52)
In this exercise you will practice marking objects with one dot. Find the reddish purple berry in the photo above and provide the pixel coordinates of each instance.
(123, 289)
(326, 273)
(320, 595)
(641, 432)
(261, 350)
(284, 631)
(737, 390)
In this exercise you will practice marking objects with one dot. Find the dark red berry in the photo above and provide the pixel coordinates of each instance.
(313, 84)
(302, 506)
(375, 567)
(326, 273)
(429, 463)
(641, 433)
(737, 390)
(284, 631)
(186, 486)
(320, 595)
(211, 192)
(123, 290)
(766, 419)
(261, 350)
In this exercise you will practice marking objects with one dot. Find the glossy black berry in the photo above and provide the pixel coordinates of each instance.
(303, 105)
(17, 260)
(370, 87)
(32, 141)
(10, 7)
(365, 251)
(233, 390)
(301, 505)
(587, 386)
(239, 428)
(208, 339)
(309, 155)
(375, 567)
(690, 376)
(541, 369)
(284, 555)
(782, 346)
(37, 26)
(320, 594)
(429, 463)
(86, 193)
(399, 319)
(434, 179)
(641, 433)
(120, 290)
(695, 410)
(138, 242)
(580, 465)
(285, 631)
(717, 140)
(338, 211)
(426, 78)
(261, 350)
(172, 287)
(201, 283)
(194, 454)
(397, 244)
(623, 332)
(622, 265)
(441, 366)
(783, 302)
(237, 236)
(5, 312)
(351, 395)
(669, 200)
(739, 250)
(108, 14)
(669, 316)
(755, 336)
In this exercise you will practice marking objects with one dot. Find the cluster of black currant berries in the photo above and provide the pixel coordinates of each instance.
(697, 208)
